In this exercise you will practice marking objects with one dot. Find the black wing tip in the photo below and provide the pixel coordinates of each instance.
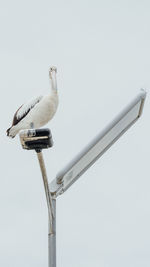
(8, 133)
(8, 130)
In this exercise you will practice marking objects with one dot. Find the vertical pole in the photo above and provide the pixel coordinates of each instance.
(52, 239)
(51, 203)
(47, 191)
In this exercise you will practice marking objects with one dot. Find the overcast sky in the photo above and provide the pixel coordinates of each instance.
(101, 50)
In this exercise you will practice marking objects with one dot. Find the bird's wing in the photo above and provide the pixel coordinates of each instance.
(25, 109)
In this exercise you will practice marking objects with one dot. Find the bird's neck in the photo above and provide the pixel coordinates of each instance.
(52, 96)
(53, 82)
(53, 91)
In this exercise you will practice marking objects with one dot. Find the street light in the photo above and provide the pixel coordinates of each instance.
(95, 149)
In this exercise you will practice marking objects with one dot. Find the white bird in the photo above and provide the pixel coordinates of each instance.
(38, 111)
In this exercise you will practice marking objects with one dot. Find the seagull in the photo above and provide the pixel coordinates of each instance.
(38, 111)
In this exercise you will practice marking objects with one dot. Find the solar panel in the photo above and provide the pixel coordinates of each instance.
(99, 145)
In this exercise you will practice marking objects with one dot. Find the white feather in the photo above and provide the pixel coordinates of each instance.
(39, 115)
(27, 106)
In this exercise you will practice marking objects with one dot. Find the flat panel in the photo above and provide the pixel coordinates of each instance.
(99, 145)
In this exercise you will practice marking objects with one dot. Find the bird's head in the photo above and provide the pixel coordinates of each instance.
(52, 75)
(52, 71)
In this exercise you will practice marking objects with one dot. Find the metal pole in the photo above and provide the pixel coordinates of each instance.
(52, 239)
(47, 191)
(51, 203)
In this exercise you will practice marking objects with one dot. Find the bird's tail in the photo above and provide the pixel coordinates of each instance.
(8, 133)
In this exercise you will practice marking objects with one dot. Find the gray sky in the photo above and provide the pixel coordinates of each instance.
(101, 50)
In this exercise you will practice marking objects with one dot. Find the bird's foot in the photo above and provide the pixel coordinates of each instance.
(32, 125)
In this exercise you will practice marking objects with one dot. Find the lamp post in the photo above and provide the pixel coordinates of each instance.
(39, 139)
(51, 203)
